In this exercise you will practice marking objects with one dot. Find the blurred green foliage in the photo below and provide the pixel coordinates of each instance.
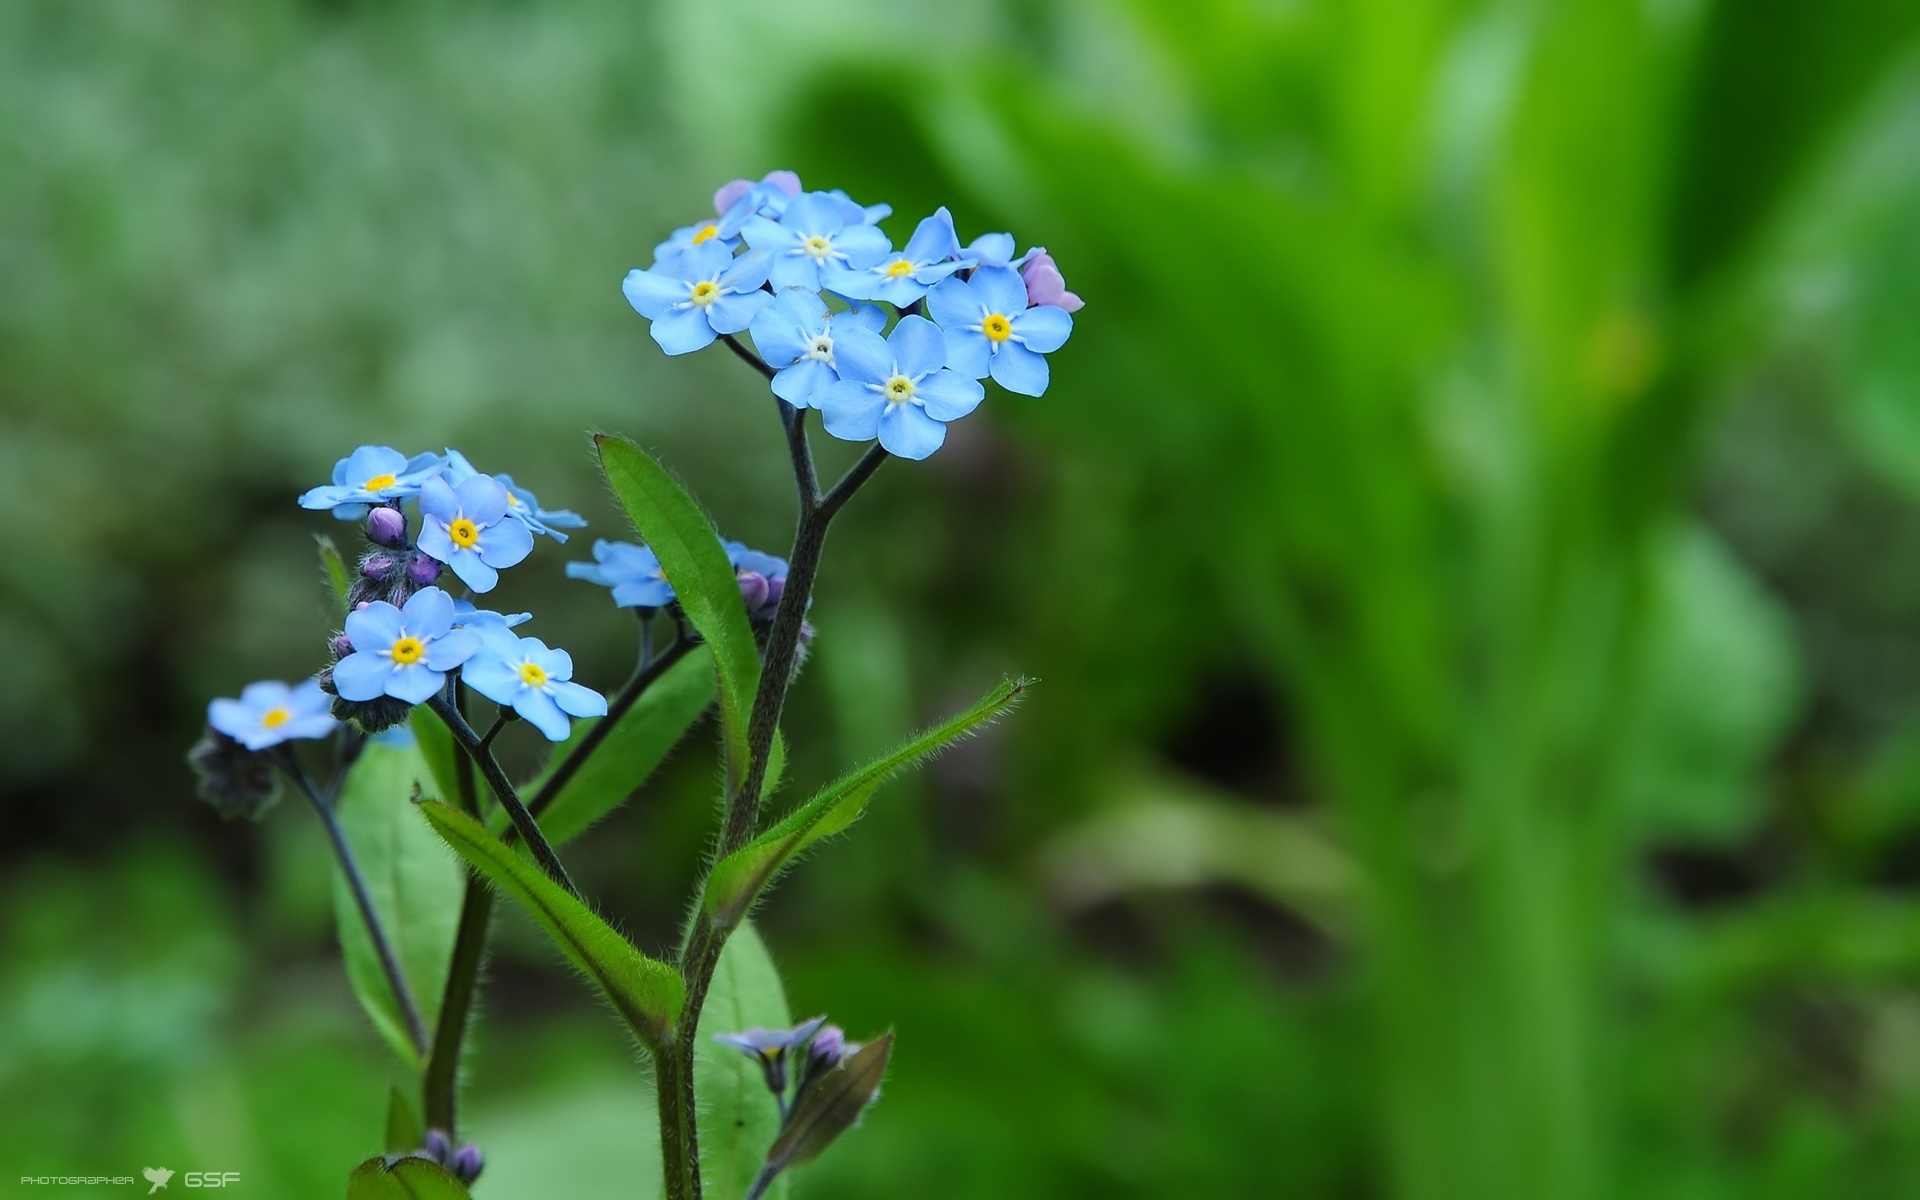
(1470, 551)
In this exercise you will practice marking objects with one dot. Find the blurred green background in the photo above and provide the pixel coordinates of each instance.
(1471, 552)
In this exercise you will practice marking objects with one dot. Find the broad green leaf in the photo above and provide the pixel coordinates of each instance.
(437, 748)
(638, 743)
(339, 579)
(695, 562)
(738, 879)
(406, 1128)
(738, 1118)
(414, 887)
(403, 1179)
(648, 993)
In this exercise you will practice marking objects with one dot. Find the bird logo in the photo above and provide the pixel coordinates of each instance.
(157, 1176)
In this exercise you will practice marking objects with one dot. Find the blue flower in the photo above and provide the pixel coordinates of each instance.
(703, 293)
(993, 250)
(270, 712)
(795, 334)
(522, 505)
(633, 572)
(871, 214)
(991, 329)
(369, 476)
(898, 389)
(402, 652)
(524, 675)
(770, 1047)
(820, 241)
(930, 255)
(466, 616)
(723, 230)
(467, 528)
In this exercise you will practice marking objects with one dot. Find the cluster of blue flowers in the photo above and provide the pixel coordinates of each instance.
(810, 275)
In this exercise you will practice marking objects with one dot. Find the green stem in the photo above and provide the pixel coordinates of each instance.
(504, 791)
(440, 1082)
(617, 708)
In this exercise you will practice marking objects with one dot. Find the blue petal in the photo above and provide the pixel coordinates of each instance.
(415, 683)
(683, 331)
(375, 627)
(898, 292)
(429, 613)
(953, 304)
(999, 288)
(591, 572)
(804, 383)
(310, 698)
(472, 571)
(578, 701)
(317, 726)
(325, 496)
(1043, 327)
(842, 281)
(656, 593)
(770, 236)
(818, 213)
(748, 272)
(860, 316)
(450, 650)
(992, 249)
(265, 694)
(492, 677)
(231, 718)
(1019, 369)
(652, 292)
(434, 542)
(780, 339)
(969, 353)
(917, 345)
(542, 713)
(906, 430)
(368, 461)
(863, 245)
(795, 271)
(483, 500)
(505, 544)
(734, 312)
(933, 239)
(862, 356)
(455, 468)
(851, 411)
(437, 500)
(362, 676)
(948, 396)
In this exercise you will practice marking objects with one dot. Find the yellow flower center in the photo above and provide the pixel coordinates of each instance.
(817, 246)
(706, 233)
(407, 650)
(379, 483)
(899, 267)
(899, 390)
(997, 327)
(464, 533)
(704, 293)
(274, 718)
(532, 675)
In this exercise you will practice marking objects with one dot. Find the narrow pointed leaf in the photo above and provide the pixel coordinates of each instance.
(738, 1119)
(416, 891)
(436, 747)
(832, 1106)
(638, 744)
(334, 568)
(404, 1179)
(672, 524)
(738, 879)
(406, 1128)
(648, 993)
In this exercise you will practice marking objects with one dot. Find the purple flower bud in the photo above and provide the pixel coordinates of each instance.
(776, 588)
(1045, 284)
(829, 1046)
(753, 590)
(436, 1146)
(342, 645)
(387, 527)
(467, 1163)
(422, 571)
(377, 566)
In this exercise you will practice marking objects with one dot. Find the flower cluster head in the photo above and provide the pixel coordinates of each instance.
(534, 681)
(817, 282)
(270, 712)
(405, 652)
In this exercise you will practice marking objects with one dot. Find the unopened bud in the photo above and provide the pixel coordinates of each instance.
(377, 566)
(467, 1163)
(387, 527)
(422, 571)
(753, 590)
(342, 645)
(437, 1146)
(776, 588)
(829, 1045)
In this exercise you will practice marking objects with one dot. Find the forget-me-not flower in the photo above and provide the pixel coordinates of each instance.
(534, 681)
(991, 328)
(467, 616)
(897, 389)
(633, 572)
(900, 278)
(704, 292)
(769, 197)
(371, 475)
(770, 1047)
(992, 250)
(819, 241)
(270, 712)
(467, 529)
(795, 335)
(402, 652)
(522, 505)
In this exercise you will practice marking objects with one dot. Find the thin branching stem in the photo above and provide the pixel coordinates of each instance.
(505, 793)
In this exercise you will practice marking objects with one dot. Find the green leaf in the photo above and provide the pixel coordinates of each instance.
(648, 993)
(406, 1128)
(641, 740)
(738, 1118)
(695, 563)
(832, 1106)
(738, 879)
(414, 887)
(436, 747)
(334, 568)
(404, 1179)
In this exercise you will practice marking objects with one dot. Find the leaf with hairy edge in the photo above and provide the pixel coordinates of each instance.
(738, 1119)
(647, 992)
(695, 563)
(436, 747)
(628, 754)
(414, 888)
(404, 1179)
(334, 568)
(738, 879)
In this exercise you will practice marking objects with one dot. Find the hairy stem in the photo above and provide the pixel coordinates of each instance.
(679, 1145)
(504, 791)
